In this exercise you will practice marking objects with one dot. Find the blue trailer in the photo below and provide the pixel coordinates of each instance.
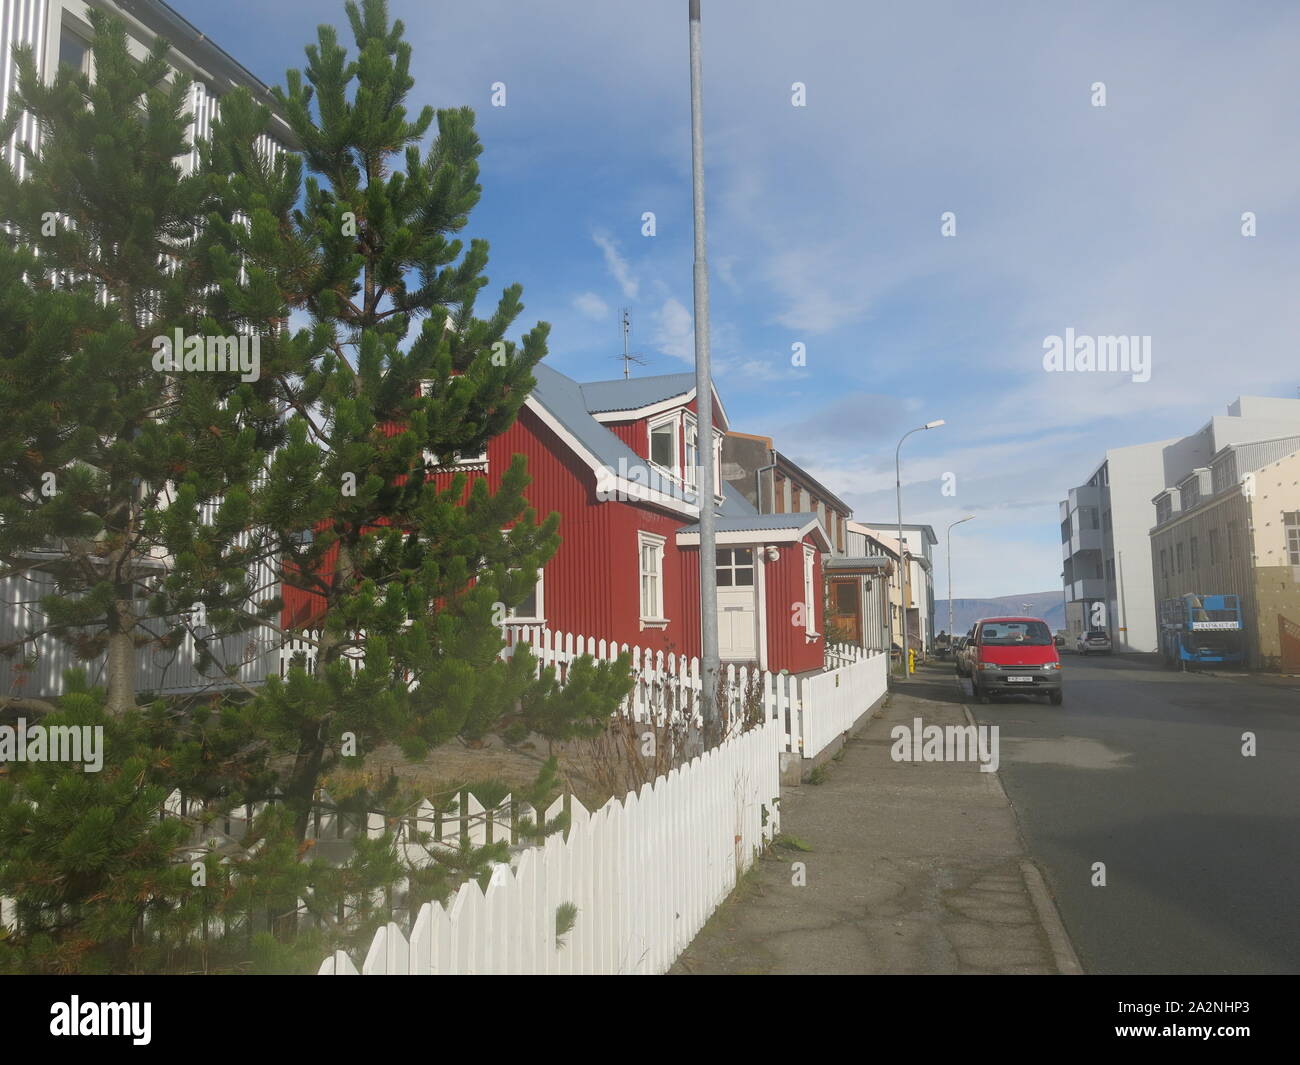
(1202, 629)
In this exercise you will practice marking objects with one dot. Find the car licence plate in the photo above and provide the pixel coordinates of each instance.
(1021, 680)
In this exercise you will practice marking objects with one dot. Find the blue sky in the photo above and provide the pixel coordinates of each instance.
(824, 220)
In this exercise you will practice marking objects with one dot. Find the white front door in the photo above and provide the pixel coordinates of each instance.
(737, 616)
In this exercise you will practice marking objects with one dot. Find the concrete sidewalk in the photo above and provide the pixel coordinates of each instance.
(910, 868)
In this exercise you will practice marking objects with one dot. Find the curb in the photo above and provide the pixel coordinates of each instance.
(1067, 962)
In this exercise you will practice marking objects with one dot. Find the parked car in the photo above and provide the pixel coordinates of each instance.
(961, 659)
(1014, 654)
(1092, 640)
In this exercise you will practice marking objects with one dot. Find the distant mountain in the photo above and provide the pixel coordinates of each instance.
(965, 612)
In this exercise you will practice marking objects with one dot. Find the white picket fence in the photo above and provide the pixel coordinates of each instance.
(810, 709)
(644, 874)
(834, 700)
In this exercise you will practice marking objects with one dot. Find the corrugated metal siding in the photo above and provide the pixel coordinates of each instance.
(593, 581)
(164, 670)
(1258, 455)
(787, 646)
(634, 435)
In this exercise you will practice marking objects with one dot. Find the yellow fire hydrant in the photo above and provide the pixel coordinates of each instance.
(911, 661)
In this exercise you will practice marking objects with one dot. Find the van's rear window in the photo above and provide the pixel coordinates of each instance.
(1015, 633)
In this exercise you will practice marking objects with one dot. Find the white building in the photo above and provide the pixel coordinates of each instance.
(918, 590)
(59, 33)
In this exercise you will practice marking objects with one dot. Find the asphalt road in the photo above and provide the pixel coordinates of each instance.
(1142, 769)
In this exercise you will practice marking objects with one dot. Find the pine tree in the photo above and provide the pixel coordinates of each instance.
(109, 242)
(336, 468)
(410, 566)
(104, 253)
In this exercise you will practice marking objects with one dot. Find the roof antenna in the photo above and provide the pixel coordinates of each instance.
(627, 356)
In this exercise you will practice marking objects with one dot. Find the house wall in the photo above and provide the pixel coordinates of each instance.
(592, 583)
(634, 434)
(787, 644)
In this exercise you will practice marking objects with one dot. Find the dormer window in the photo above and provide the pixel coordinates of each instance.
(675, 448)
(663, 443)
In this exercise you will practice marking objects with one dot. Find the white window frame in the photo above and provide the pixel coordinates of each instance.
(675, 420)
(690, 452)
(718, 435)
(64, 18)
(652, 614)
(809, 591)
(539, 616)
(475, 462)
(732, 565)
(1291, 527)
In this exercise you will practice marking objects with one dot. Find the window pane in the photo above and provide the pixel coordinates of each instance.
(724, 578)
(744, 556)
(528, 608)
(724, 556)
(72, 51)
(744, 576)
(661, 445)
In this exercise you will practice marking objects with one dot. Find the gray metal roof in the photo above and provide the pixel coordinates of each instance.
(866, 562)
(757, 523)
(602, 397)
(564, 398)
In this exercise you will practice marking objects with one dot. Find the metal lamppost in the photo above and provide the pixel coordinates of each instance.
(898, 489)
(950, 528)
(709, 658)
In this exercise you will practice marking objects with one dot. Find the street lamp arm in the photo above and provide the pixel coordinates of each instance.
(902, 561)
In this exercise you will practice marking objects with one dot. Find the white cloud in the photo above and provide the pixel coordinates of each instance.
(674, 330)
(591, 306)
(616, 264)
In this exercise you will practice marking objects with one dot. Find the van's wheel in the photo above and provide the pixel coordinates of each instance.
(1056, 697)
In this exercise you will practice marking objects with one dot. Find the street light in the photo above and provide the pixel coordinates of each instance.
(898, 489)
(950, 528)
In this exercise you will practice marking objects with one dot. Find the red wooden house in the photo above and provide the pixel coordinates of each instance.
(617, 460)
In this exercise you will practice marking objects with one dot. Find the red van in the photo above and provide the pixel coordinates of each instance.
(1014, 655)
